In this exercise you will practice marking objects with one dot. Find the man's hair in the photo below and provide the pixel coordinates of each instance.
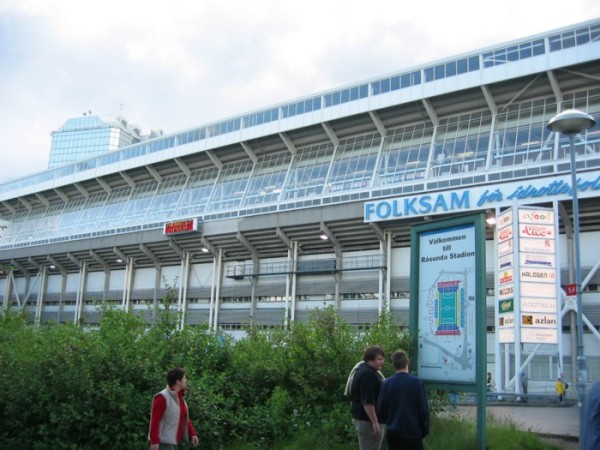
(400, 359)
(372, 352)
(174, 375)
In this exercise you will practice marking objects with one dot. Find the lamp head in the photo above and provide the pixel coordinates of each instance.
(571, 121)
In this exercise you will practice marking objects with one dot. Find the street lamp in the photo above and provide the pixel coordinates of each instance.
(572, 122)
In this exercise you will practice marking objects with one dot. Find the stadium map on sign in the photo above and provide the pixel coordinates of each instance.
(447, 305)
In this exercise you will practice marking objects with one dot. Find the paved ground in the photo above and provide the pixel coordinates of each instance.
(559, 423)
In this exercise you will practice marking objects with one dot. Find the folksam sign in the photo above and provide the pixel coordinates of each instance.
(463, 200)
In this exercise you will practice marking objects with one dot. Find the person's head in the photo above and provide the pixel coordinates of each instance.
(400, 360)
(374, 356)
(176, 378)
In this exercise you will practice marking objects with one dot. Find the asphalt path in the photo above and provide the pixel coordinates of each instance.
(556, 420)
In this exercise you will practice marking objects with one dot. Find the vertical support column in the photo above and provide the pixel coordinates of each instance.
(213, 287)
(63, 288)
(388, 271)
(253, 281)
(185, 276)
(288, 281)
(337, 276)
(7, 289)
(106, 286)
(381, 300)
(40, 296)
(498, 361)
(217, 283)
(517, 300)
(294, 280)
(80, 291)
(129, 274)
(155, 299)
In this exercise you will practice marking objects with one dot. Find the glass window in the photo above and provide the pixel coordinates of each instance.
(428, 74)
(440, 71)
(385, 85)
(231, 186)
(404, 155)
(308, 172)
(568, 39)
(416, 78)
(267, 179)
(461, 144)
(473, 63)
(405, 80)
(376, 87)
(354, 163)
(345, 96)
(451, 69)
(521, 136)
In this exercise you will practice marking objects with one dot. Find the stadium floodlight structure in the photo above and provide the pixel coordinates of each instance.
(571, 122)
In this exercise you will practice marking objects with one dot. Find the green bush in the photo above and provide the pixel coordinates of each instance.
(69, 388)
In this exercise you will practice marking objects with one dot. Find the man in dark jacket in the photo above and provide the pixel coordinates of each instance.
(403, 407)
(592, 421)
(365, 386)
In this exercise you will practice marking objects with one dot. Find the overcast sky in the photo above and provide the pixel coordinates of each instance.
(178, 64)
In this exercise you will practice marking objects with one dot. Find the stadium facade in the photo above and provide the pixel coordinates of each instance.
(268, 215)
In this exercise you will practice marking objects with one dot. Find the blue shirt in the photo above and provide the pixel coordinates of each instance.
(403, 406)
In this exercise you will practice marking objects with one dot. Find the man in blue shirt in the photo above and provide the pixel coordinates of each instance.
(403, 407)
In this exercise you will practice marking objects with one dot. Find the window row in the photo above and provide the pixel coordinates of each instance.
(503, 55)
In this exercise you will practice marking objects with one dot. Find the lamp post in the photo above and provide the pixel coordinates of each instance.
(572, 122)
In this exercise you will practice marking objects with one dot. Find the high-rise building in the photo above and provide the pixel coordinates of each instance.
(88, 136)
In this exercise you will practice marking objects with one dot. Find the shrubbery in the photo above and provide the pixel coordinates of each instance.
(68, 388)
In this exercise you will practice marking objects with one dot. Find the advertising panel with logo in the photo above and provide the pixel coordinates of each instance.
(505, 281)
(538, 304)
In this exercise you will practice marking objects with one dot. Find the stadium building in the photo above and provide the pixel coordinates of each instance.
(265, 216)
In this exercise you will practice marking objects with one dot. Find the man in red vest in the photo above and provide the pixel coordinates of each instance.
(169, 419)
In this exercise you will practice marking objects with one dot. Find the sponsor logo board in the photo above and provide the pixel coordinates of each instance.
(539, 320)
(505, 234)
(504, 219)
(537, 245)
(538, 259)
(506, 276)
(538, 305)
(537, 216)
(506, 291)
(538, 275)
(538, 231)
(506, 335)
(539, 335)
(505, 262)
(538, 290)
(506, 320)
(505, 247)
(506, 306)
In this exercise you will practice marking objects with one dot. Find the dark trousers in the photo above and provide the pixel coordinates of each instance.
(403, 443)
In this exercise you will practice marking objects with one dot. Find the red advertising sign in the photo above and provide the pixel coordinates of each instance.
(181, 226)
(571, 289)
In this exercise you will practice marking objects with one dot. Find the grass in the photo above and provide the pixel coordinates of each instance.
(457, 433)
(450, 433)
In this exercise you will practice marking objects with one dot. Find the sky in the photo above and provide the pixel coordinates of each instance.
(179, 64)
